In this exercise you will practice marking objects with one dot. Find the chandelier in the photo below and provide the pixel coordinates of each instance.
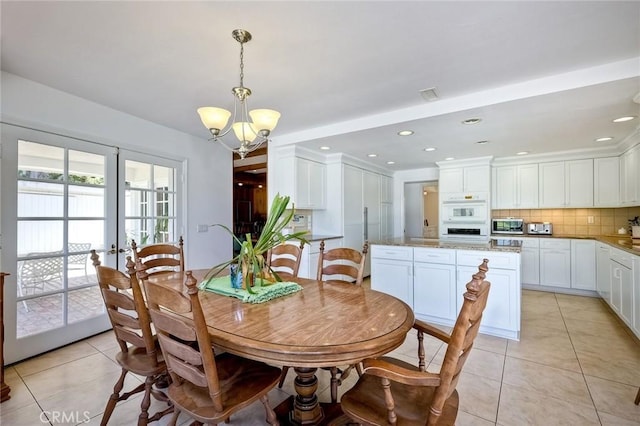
(251, 128)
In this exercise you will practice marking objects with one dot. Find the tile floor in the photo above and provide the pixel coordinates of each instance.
(574, 365)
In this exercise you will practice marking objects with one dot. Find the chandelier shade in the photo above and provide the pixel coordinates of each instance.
(251, 128)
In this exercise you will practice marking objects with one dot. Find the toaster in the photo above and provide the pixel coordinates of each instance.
(542, 228)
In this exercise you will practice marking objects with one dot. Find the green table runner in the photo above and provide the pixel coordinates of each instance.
(222, 286)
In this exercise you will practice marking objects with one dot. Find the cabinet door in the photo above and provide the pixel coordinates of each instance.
(386, 189)
(606, 182)
(603, 274)
(316, 184)
(302, 183)
(386, 221)
(530, 259)
(434, 292)
(371, 195)
(583, 264)
(555, 267)
(636, 295)
(393, 277)
(527, 189)
(476, 179)
(629, 176)
(579, 183)
(616, 285)
(503, 302)
(451, 180)
(504, 196)
(551, 184)
(352, 197)
(626, 296)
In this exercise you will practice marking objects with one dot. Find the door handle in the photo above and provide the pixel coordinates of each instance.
(113, 250)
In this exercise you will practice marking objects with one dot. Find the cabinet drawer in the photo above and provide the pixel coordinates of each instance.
(497, 259)
(621, 257)
(555, 243)
(434, 255)
(392, 252)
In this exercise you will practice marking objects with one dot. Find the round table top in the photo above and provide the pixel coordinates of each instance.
(325, 324)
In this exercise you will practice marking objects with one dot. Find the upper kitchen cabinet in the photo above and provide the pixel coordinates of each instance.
(566, 184)
(302, 179)
(464, 176)
(606, 182)
(630, 177)
(386, 189)
(515, 187)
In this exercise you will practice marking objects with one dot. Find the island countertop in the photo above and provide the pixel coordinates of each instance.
(507, 245)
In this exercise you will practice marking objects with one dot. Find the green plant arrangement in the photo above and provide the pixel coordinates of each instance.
(250, 261)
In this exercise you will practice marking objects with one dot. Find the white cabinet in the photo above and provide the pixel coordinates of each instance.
(303, 180)
(530, 259)
(630, 177)
(392, 271)
(311, 254)
(386, 189)
(566, 184)
(606, 182)
(386, 221)
(555, 262)
(636, 296)
(622, 284)
(515, 187)
(603, 274)
(502, 311)
(434, 287)
(583, 264)
(465, 179)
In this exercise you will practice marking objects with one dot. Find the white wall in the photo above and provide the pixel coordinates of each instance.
(208, 167)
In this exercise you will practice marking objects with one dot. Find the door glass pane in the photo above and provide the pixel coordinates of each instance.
(40, 314)
(38, 161)
(39, 274)
(87, 168)
(85, 303)
(40, 199)
(86, 232)
(86, 201)
(138, 175)
(163, 178)
(39, 236)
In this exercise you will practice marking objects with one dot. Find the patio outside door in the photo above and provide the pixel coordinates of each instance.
(65, 202)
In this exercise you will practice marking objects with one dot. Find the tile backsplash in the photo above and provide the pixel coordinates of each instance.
(591, 222)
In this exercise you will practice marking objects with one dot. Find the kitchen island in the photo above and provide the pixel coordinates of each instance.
(430, 276)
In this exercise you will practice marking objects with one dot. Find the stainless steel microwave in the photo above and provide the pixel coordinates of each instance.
(507, 225)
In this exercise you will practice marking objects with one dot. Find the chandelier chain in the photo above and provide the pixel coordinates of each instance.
(241, 64)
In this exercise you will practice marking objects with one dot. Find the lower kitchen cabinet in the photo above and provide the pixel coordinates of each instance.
(603, 274)
(555, 262)
(636, 296)
(622, 285)
(583, 264)
(311, 254)
(434, 284)
(392, 271)
(530, 257)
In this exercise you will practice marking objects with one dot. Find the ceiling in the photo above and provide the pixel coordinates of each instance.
(542, 76)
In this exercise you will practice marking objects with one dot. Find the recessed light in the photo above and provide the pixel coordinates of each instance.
(259, 186)
(325, 148)
(391, 162)
(472, 121)
(450, 158)
(605, 139)
(405, 132)
(522, 153)
(372, 155)
(623, 119)
(240, 183)
(429, 149)
(482, 142)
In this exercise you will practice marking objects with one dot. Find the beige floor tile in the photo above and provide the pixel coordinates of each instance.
(623, 367)
(562, 384)
(521, 406)
(479, 396)
(607, 419)
(466, 419)
(20, 395)
(28, 415)
(491, 343)
(481, 363)
(127, 412)
(614, 398)
(59, 379)
(547, 321)
(103, 341)
(541, 346)
(54, 358)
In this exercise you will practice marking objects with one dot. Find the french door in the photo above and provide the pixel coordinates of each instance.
(61, 199)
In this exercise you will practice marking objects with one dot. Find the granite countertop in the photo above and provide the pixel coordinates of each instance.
(492, 245)
(320, 237)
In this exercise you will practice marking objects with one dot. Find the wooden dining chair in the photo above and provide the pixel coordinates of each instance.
(160, 257)
(343, 262)
(139, 353)
(208, 387)
(391, 391)
(284, 259)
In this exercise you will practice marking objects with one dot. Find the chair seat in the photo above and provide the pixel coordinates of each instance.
(366, 401)
(249, 381)
(138, 362)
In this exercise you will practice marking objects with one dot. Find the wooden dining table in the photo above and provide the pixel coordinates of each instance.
(325, 324)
